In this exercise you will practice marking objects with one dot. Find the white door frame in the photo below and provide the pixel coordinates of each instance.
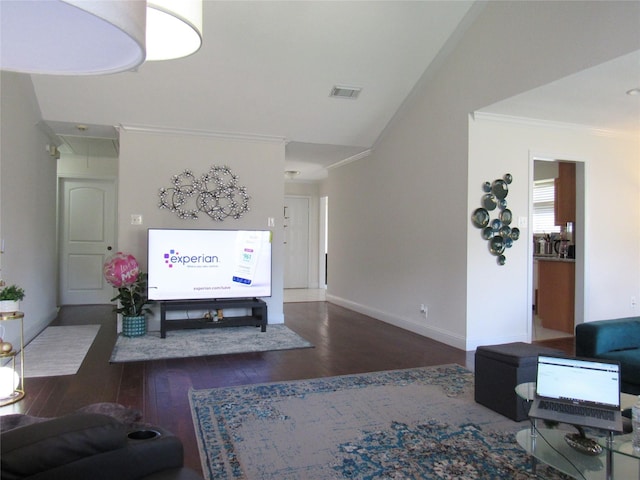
(579, 235)
(323, 248)
(312, 247)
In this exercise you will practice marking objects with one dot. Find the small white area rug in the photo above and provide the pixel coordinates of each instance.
(58, 350)
(202, 342)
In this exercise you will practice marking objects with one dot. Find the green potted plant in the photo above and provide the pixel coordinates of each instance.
(133, 303)
(10, 297)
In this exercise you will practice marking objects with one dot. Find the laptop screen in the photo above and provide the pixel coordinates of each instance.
(578, 380)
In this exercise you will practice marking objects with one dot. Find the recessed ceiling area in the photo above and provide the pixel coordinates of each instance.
(83, 139)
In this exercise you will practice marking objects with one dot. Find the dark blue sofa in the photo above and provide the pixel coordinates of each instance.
(617, 339)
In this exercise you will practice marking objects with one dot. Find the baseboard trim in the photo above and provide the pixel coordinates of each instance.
(424, 330)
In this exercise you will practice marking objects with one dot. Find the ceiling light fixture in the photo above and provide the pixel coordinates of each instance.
(634, 91)
(82, 37)
(291, 174)
(174, 28)
(71, 37)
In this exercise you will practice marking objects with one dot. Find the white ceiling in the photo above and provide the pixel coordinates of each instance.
(595, 97)
(266, 69)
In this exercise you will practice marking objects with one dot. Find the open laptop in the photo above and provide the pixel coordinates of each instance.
(578, 392)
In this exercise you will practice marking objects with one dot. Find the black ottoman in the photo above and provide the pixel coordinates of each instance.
(499, 368)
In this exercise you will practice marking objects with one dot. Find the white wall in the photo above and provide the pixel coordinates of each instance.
(148, 161)
(612, 223)
(544, 170)
(498, 302)
(80, 166)
(27, 206)
(303, 189)
(400, 225)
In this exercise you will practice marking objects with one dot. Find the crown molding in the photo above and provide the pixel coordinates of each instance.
(533, 122)
(201, 133)
(353, 158)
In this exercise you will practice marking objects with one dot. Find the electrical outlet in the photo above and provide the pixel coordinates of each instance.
(633, 302)
(424, 310)
(136, 219)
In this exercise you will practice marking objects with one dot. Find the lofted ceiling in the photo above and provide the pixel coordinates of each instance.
(266, 70)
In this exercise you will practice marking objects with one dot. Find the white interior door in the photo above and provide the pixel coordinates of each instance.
(87, 235)
(296, 247)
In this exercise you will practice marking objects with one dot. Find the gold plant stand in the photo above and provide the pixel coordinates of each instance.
(18, 392)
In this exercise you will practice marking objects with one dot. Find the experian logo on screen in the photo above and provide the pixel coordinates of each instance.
(174, 258)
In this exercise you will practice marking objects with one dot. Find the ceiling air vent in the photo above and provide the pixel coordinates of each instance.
(345, 92)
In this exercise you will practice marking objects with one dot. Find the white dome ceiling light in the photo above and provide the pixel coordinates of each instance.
(95, 37)
(72, 37)
(174, 28)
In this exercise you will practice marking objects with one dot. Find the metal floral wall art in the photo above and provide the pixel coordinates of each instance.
(498, 231)
(215, 193)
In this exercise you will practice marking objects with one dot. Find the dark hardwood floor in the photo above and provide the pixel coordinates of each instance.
(344, 342)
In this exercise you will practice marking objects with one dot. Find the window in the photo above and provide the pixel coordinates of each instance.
(543, 214)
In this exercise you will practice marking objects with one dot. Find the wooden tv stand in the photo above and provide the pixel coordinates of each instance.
(257, 318)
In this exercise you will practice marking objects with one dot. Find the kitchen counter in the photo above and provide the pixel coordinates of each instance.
(553, 258)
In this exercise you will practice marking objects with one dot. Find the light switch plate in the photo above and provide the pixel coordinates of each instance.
(136, 219)
(522, 222)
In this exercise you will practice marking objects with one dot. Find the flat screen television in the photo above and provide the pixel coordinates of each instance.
(208, 264)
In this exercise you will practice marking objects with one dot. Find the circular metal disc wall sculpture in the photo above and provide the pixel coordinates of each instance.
(497, 232)
(216, 193)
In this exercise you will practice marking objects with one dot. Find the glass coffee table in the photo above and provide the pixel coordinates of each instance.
(617, 460)
(622, 448)
(549, 447)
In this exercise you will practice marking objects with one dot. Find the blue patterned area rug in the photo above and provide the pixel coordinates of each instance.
(415, 423)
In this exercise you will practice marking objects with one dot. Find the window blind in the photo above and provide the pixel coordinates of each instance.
(543, 211)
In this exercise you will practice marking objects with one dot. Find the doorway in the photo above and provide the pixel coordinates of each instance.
(557, 284)
(87, 219)
(296, 242)
(309, 214)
